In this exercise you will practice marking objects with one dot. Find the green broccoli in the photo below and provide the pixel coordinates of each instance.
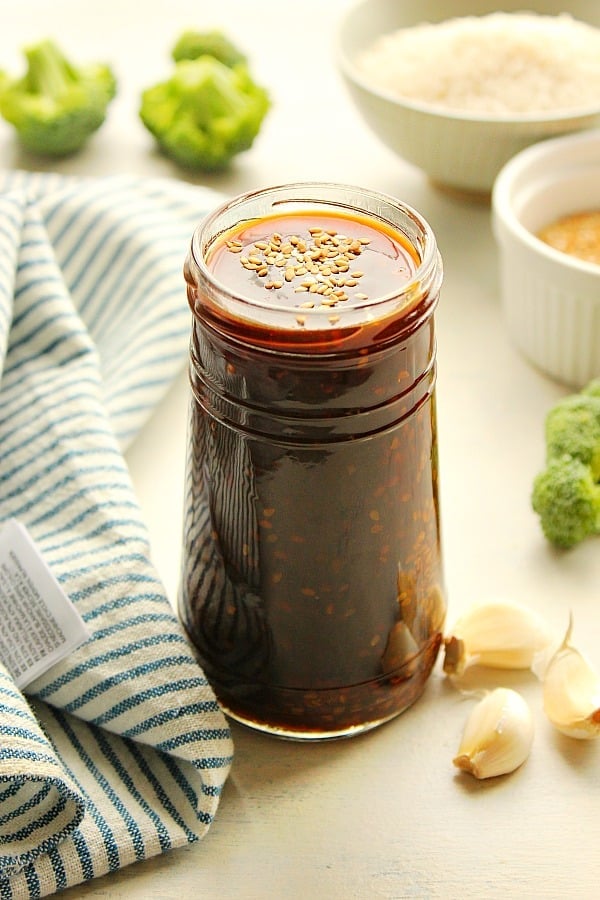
(593, 388)
(573, 427)
(205, 112)
(192, 44)
(55, 107)
(567, 499)
(566, 494)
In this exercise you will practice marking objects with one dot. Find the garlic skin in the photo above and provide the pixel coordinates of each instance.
(498, 634)
(571, 692)
(498, 735)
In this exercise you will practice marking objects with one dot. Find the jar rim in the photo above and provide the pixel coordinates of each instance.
(303, 196)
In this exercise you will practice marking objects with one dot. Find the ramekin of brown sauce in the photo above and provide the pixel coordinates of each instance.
(312, 582)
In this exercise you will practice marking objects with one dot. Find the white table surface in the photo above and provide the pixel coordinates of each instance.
(385, 815)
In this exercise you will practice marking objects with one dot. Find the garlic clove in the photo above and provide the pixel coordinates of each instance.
(499, 634)
(498, 735)
(401, 650)
(571, 692)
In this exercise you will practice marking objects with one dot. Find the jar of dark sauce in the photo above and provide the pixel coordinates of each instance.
(312, 582)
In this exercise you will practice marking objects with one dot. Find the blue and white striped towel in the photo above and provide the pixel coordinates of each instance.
(119, 752)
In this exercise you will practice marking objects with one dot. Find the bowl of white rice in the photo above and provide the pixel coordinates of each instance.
(458, 89)
(545, 214)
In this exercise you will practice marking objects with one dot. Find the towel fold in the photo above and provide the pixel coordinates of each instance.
(119, 751)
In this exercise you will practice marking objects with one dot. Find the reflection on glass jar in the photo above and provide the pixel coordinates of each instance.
(312, 583)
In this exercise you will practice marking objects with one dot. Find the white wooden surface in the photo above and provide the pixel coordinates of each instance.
(384, 815)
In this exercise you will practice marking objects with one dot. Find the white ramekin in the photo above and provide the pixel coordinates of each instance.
(551, 300)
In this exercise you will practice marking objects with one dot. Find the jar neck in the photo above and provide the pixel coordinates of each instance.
(317, 399)
(264, 321)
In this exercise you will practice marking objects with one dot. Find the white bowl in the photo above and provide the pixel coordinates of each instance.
(550, 299)
(459, 150)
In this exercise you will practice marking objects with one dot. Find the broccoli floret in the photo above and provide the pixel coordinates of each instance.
(55, 107)
(567, 500)
(205, 112)
(573, 427)
(192, 44)
(593, 388)
(566, 494)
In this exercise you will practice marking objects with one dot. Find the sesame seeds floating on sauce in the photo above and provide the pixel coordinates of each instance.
(314, 261)
(318, 266)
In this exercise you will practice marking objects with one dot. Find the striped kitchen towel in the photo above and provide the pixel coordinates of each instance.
(118, 751)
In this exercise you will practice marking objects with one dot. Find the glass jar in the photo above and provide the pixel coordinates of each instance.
(312, 582)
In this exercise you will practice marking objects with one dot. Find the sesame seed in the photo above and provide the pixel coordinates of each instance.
(319, 264)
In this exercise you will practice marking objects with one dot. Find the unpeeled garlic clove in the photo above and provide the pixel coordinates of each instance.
(571, 692)
(499, 634)
(498, 735)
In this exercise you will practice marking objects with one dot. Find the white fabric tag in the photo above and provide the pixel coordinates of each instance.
(38, 623)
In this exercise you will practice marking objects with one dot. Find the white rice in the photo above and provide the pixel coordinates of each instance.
(497, 64)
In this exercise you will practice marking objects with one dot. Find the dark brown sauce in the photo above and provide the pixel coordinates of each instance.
(384, 265)
(384, 258)
(312, 583)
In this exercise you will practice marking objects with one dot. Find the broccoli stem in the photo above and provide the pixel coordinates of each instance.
(49, 73)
